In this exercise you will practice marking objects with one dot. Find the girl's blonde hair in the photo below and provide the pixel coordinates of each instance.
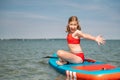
(72, 18)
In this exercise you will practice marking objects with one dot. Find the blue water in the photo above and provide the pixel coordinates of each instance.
(23, 59)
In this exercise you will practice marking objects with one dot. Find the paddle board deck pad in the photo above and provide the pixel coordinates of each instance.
(87, 70)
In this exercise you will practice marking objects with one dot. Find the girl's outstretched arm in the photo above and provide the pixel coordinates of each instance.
(99, 39)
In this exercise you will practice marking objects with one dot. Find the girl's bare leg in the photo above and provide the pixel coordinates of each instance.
(67, 56)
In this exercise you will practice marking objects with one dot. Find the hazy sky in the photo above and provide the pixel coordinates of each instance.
(48, 18)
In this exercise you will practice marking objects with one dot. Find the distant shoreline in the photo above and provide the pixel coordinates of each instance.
(44, 39)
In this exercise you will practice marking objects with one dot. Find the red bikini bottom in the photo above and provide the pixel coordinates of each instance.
(81, 55)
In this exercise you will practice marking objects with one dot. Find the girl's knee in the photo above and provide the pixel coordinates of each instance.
(59, 52)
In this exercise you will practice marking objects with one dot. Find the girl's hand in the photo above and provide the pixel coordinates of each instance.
(99, 39)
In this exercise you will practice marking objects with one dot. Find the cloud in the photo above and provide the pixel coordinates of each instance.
(81, 5)
(24, 15)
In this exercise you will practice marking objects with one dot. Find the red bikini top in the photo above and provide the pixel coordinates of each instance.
(72, 40)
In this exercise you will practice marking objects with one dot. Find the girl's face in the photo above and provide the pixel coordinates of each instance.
(73, 26)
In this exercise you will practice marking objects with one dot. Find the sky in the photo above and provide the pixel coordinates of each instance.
(36, 19)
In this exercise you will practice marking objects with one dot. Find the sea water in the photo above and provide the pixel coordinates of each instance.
(23, 59)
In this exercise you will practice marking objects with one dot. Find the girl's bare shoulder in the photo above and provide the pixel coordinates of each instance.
(79, 33)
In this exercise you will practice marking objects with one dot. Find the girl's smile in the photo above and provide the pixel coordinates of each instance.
(73, 26)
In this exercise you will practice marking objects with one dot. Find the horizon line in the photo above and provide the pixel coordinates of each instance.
(41, 39)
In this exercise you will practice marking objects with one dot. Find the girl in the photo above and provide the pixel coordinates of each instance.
(75, 55)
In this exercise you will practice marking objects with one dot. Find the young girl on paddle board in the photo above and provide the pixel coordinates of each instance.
(75, 55)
